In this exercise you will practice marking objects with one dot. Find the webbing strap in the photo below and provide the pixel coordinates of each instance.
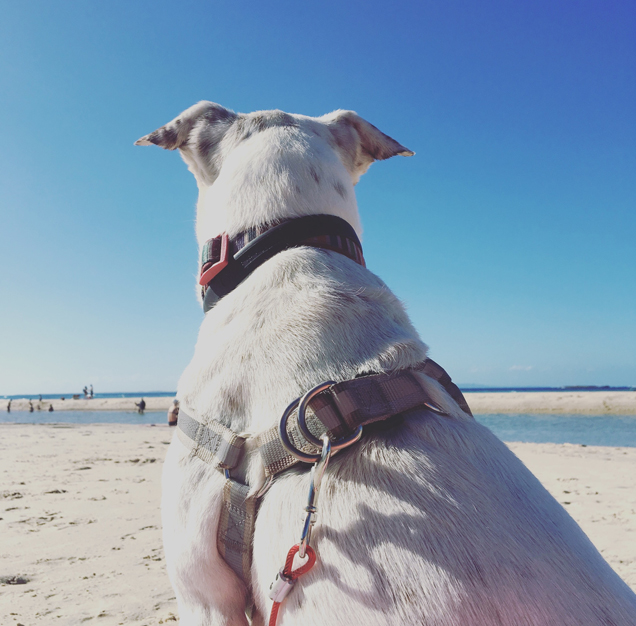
(343, 407)
(338, 411)
(321, 231)
(274, 456)
(438, 373)
(211, 442)
(236, 528)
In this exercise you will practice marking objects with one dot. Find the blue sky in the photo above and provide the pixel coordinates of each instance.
(510, 235)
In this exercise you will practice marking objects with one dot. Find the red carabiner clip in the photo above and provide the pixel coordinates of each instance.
(286, 579)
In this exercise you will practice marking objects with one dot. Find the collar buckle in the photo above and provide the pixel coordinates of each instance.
(208, 272)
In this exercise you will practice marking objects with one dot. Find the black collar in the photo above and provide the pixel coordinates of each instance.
(226, 263)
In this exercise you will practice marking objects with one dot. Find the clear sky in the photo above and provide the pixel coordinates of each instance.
(510, 236)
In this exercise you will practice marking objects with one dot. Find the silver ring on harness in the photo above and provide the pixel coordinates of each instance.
(302, 411)
(339, 444)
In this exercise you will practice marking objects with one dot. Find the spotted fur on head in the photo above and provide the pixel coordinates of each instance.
(175, 134)
(201, 127)
(272, 165)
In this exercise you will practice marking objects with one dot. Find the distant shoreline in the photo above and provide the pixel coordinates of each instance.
(156, 403)
(468, 389)
(116, 395)
(577, 402)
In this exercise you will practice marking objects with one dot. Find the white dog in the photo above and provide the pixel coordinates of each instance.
(429, 521)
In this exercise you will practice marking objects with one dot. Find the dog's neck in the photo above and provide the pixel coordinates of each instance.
(262, 183)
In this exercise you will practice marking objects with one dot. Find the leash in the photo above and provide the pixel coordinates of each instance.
(287, 577)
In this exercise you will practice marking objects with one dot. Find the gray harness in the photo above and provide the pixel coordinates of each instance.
(338, 409)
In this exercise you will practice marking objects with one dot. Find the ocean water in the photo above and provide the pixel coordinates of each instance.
(84, 417)
(589, 430)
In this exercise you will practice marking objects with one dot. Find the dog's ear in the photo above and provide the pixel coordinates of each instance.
(361, 141)
(176, 133)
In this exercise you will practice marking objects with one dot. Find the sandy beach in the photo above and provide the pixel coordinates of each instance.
(81, 538)
(584, 402)
(579, 402)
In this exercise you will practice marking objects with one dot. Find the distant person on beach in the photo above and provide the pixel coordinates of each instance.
(173, 413)
(40, 398)
(85, 390)
(141, 406)
(51, 409)
(90, 393)
(9, 406)
(30, 407)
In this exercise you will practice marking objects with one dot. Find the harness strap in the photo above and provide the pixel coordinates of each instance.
(339, 411)
(435, 371)
(212, 442)
(345, 406)
(236, 528)
(219, 446)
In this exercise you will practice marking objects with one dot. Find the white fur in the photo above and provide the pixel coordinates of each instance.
(265, 174)
(433, 522)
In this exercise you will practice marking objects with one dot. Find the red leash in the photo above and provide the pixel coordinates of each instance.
(286, 579)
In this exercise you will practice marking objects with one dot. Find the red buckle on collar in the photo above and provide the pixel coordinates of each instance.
(208, 273)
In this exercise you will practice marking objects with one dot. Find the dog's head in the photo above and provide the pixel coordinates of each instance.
(259, 167)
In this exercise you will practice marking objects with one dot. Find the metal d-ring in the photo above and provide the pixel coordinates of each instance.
(301, 403)
(345, 442)
(302, 411)
(284, 437)
(339, 444)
